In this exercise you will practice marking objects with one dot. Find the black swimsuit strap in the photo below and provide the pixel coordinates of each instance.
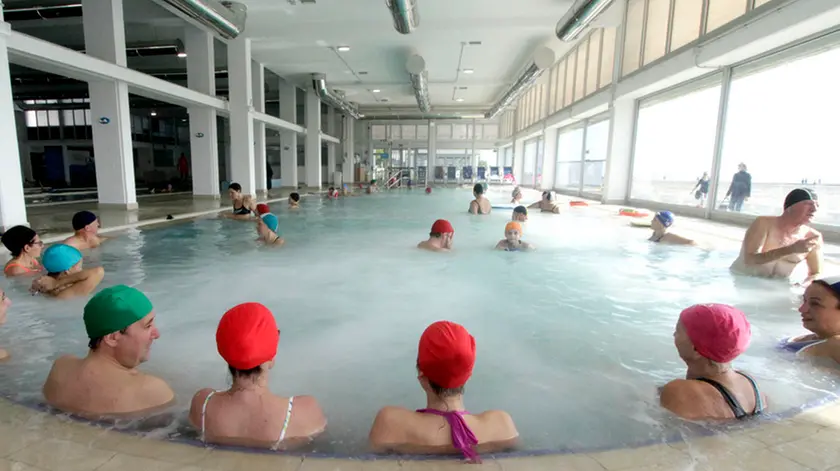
(759, 402)
(728, 397)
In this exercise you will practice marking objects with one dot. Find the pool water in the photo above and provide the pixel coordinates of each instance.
(573, 339)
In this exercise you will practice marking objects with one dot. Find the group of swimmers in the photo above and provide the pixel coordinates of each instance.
(120, 326)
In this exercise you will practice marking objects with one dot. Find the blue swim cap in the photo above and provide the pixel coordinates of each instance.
(60, 258)
(665, 217)
(271, 221)
(832, 283)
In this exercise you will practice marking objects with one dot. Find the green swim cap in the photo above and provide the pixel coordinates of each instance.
(114, 309)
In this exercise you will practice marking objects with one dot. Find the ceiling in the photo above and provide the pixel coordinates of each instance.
(297, 40)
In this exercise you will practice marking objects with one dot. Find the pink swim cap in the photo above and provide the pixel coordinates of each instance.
(719, 332)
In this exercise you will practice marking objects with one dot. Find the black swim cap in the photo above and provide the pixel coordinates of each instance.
(478, 188)
(799, 195)
(16, 238)
(82, 219)
(521, 210)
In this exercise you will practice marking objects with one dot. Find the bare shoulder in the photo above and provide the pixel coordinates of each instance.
(682, 397)
(154, 391)
(197, 405)
(311, 406)
(501, 423)
(387, 426)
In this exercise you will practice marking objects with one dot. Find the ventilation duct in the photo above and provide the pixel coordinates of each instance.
(406, 16)
(319, 81)
(47, 12)
(397, 116)
(579, 17)
(543, 59)
(227, 19)
(416, 67)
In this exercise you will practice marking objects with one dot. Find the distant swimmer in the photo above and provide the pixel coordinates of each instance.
(513, 239)
(516, 195)
(708, 338)
(661, 225)
(86, 226)
(372, 188)
(26, 247)
(440, 237)
(520, 214)
(65, 276)
(546, 205)
(480, 205)
(120, 325)
(294, 200)
(243, 205)
(820, 311)
(267, 226)
(775, 245)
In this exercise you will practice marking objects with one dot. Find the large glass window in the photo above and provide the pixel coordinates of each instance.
(580, 74)
(593, 62)
(569, 149)
(675, 140)
(595, 155)
(633, 36)
(722, 12)
(530, 163)
(607, 57)
(687, 18)
(793, 146)
(656, 31)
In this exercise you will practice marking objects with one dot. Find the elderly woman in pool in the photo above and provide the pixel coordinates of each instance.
(249, 414)
(445, 360)
(480, 205)
(820, 311)
(708, 338)
(516, 196)
(5, 302)
(546, 205)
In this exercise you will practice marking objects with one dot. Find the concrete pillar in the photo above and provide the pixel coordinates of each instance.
(12, 206)
(518, 160)
(312, 168)
(104, 32)
(549, 167)
(204, 141)
(258, 93)
(331, 129)
(619, 162)
(241, 124)
(348, 168)
(474, 159)
(432, 155)
(288, 139)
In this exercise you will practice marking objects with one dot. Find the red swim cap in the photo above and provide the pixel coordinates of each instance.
(446, 354)
(263, 208)
(428, 189)
(719, 332)
(442, 226)
(247, 336)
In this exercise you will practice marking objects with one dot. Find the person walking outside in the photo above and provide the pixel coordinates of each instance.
(701, 190)
(740, 188)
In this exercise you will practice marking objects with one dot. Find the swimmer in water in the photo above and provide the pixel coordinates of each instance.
(120, 325)
(86, 226)
(65, 276)
(513, 239)
(262, 209)
(545, 205)
(480, 205)
(520, 214)
(267, 226)
(445, 360)
(5, 302)
(249, 413)
(708, 338)
(661, 225)
(820, 311)
(372, 188)
(516, 196)
(775, 245)
(243, 205)
(440, 237)
(26, 247)
(294, 200)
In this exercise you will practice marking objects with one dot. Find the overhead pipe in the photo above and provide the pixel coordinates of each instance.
(419, 116)
(319, 81)
(543, 59)
(406, 16)
(582, 13)
(225, 18)
(416, 67)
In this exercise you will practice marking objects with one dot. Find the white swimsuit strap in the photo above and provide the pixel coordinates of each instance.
(204, 412)
(285, 423)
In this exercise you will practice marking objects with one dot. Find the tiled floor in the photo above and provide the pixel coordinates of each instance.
(36, 440)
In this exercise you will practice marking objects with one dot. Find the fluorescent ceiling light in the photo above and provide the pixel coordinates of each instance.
(343, 48)
(459, 99)
(376, 90)
(468, 71)
(153, 113)
(182, 55)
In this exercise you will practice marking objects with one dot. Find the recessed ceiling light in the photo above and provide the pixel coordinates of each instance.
(153, 113)
(343, 48)
(468, 71)
(376, 90)
(459, 99)
(182, 55)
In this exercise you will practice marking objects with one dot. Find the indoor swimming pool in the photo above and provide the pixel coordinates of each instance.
(572, 339)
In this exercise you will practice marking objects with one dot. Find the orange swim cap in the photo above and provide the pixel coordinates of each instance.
(513, 225)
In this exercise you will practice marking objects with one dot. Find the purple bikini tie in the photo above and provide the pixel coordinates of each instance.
(463, 438)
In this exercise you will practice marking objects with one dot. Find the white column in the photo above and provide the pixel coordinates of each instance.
(312, 167)
(104, 32)
(330, 129)
(241, 124)
(288, 139)
(518, 160)
(432, 155)
(549, 167)
(258, 92)
(12, 206)
(474, 159)
(204, 141)
(619, 163)
(349, 143)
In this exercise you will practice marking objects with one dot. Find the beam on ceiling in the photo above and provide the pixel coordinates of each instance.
(43, 55)
(328, 138)
(274, 122)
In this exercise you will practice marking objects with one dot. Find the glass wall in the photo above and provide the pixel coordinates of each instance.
(569, 152)
(595, 155)
(786, 136)
(675, 141)
(529, 178)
